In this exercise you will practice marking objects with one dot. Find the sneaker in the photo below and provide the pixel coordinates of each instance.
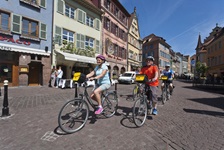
(154, 112)
(99, 110)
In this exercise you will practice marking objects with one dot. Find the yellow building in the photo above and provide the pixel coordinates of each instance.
(134, 43)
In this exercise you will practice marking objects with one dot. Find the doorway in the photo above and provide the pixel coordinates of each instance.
(35, 74)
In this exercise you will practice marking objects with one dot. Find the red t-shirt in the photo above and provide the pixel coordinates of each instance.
(150, 71)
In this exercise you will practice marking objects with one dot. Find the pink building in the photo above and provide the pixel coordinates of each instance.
(115, 35)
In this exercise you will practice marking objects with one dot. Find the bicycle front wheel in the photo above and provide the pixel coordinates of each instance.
(164, 95)
(139, 111)
(73, 115)
(110, 104)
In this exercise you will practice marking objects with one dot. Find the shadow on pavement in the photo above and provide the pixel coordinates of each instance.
(204, 112)
(129, 97)
(215, 102)
(206, 89)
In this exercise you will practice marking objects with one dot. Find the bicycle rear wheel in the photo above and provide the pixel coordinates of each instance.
(139, 111)
(73, 115)
(164, 98)
(110, 104)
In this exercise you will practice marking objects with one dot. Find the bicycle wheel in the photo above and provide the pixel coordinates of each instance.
(139, 111)
(110, 104)
(164, 95)
(73, 115)
(135, 92)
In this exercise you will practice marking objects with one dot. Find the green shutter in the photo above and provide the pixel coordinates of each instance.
(16, 23)
(79, 15)
(60, 6)
(84, 17)
(43, 3)
(78, 39)
(43, 31)
(58, 31)
(97, 46)
(97, 24)
(82, 41)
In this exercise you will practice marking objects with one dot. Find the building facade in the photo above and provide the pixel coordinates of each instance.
(114, 35)
(25, 42)
(158, 48)
(77, 35)
(134, 43)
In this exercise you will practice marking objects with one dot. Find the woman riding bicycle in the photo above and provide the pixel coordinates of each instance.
(100, 73)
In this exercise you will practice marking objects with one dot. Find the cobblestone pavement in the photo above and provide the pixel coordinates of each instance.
(191, 120)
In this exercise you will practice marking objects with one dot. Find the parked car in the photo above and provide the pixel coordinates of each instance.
(127, 77)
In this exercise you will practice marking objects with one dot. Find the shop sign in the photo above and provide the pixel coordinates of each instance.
(5, 48)
(18, 41)
(23, 69)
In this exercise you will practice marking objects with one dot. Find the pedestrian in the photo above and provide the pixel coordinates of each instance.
(53, 76)
(59, 75)
(151, 70)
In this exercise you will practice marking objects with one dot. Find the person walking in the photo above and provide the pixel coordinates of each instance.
(59, 75)
(53, 76)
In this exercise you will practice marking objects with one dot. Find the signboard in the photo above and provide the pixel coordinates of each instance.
(23, 69)
(5, 48)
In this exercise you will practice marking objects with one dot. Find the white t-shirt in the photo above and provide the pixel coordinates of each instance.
(60, 73)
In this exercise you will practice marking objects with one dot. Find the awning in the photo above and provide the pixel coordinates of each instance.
(79, 58)
(8, 47)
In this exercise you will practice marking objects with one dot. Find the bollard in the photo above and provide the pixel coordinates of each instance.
(5, 109)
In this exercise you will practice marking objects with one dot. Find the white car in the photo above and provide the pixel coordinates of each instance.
(127, 77)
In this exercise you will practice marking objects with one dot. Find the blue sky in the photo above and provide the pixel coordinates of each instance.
(179, 22)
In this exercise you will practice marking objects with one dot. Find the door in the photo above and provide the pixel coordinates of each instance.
(35, 73)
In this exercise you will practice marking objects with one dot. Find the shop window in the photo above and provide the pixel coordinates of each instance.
(5, 72)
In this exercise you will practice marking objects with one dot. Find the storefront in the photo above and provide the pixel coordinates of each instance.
(23, 66)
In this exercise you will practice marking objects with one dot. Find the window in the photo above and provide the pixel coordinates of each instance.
(97, 24)
(35, 3)
(68, 36)
(130, 54)
(89, 21)
(29, 28)
(4, 21)
(116, 50)
(108, 24)
(89, 42)
(69, 12)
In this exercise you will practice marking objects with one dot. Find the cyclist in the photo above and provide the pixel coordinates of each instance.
(100, 73)
(151, 70)
(170, 74)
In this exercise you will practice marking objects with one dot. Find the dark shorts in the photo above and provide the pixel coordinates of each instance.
(152, 93)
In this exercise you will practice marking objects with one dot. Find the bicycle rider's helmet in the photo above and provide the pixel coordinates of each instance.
(167, 65)
(101, 57)
(150, 57)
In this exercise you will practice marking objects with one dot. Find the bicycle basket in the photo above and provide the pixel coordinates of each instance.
(163, 78)
(79, 77)
(141, 78)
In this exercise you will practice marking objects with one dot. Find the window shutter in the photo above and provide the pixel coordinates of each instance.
(16, 23)
(58, 31)
(43, 31)
(81, 16)
(61, 6)
(78, 39)
(97, 24)
(82, 41)
(84, 17)
(97, 46)
(43, 3)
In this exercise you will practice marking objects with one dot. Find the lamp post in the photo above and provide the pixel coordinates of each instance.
(5, 109)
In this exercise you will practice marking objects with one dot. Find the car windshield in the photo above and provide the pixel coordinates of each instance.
(127, 75)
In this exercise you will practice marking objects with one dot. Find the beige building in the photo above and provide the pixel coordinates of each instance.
(77, 35)
(134, 43)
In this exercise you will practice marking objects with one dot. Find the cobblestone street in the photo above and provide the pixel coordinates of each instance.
(191, 120)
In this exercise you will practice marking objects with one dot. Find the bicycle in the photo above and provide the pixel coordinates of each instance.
(136, 90)
(140, 107)
(74, 113)
(165, 91)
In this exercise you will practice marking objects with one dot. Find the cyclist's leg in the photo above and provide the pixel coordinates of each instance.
(97, 93)
(171, 87)
(154, 90)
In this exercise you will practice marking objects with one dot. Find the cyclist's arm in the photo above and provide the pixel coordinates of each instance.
(101, 75)
(90, 74)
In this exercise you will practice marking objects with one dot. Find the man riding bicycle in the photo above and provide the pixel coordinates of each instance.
(100, 74)
(170, 74)
(151, 70)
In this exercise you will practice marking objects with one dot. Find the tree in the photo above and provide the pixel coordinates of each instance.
(201, 69)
